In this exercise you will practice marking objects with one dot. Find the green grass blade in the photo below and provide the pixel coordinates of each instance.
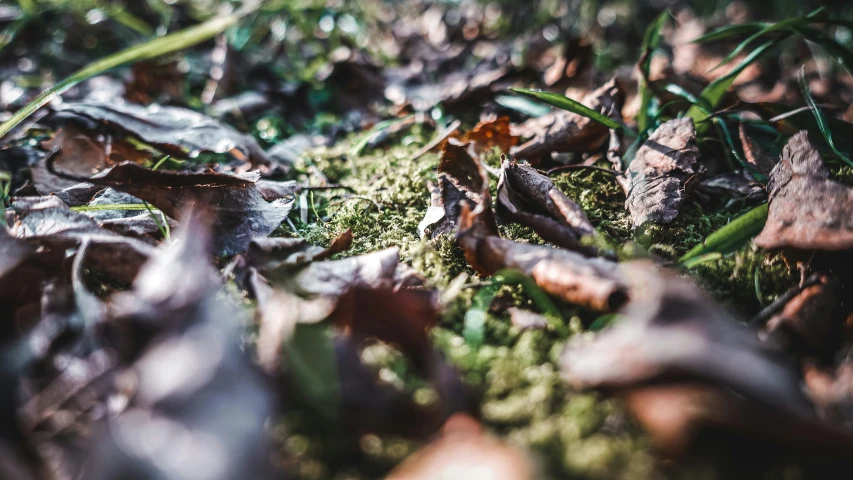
(822, 123)
(731, 31)
(713, 93)
(651, 40)
(728, 238)
(359, 145)
(561, 101)
(776, 27)
(839, 52)
(153, 48)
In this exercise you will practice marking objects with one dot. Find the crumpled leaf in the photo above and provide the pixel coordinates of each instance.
(531, 198)
(563, 131)
(670, 333)
(48, 223)
(490, 133)
(755, 155)
(464, 450)
(591, 282)
(813, 318)
(831, 389)
(242, 213)
(176, 131)
(210, 413)
(461, 178)
(659, 174)
(807, 210)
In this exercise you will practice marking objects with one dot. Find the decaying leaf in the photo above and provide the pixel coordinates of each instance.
(48, 223)
(242, 213)
(659, 174)
(832, 389)
(464, 451)
(807, 210)
(83, 154)
(491, 133)
(267, 253)
(671, 334)
(176, 131)
(461, 179)
(755, 155)
(531, 198)
(591, 282)
(733, 187)
(563, 131)
(669, 326)
(813, 318)
(191, 409)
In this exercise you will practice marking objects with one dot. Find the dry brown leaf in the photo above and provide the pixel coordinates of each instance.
(564, 131)
(242, 213)
(461, 179)
(591, 282)
(658, 175)
(807, 210)
(755, 155)
(464, 451)
(531, 198)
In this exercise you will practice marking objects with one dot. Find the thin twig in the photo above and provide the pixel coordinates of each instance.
(783, 300)
(582, 167)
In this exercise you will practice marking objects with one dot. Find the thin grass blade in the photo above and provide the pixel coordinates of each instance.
(151, 49)
(822, 124)
(728, 238)
(561, 101)
(651, 40)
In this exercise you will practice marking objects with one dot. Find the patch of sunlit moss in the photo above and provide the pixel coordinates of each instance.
(732, 280)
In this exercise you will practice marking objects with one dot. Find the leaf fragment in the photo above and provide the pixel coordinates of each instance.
(658, 175)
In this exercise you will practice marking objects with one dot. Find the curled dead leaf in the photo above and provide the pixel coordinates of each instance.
(531, 198)
(807, 210)
(658, 175)
(564, 131)
(242, 213)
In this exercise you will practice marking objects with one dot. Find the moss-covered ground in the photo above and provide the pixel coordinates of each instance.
(514, 372)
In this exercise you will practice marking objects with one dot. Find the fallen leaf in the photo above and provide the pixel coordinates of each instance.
(658, 175)
(677, 357)
(591, 282)
(755, 155)
(531, 198)
(812, 317)
(461, 178)
(464, 450)
(241, 211)
(176, 131)
(491, 133)
(564, 131)
(807, 210)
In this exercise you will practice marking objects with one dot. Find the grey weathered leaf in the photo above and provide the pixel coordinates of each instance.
(807, 210)
(176, 131)
(241, 211)
(531, 198)
(564, 131)
(658, 175)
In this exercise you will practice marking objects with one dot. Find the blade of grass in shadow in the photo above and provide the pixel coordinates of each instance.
(783, 25)
(713, 93)
(475, 317)
(819, 117)
(153, 48)
(561, 101)
(731, 31)
(651, 40)
(839, 52)
(728, 238)
(359, 145)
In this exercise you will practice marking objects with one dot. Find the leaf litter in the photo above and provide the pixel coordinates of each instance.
(300, 271)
